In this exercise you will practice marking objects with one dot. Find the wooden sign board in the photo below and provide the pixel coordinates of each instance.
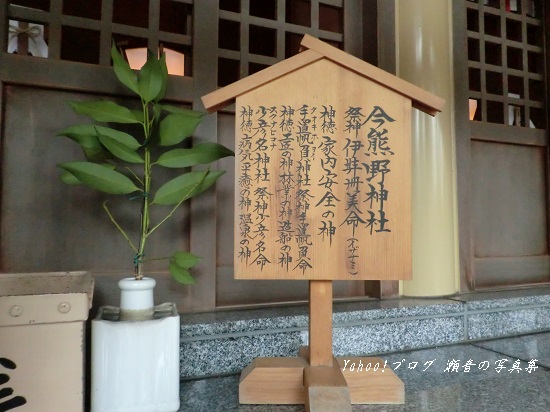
(323, 169)
(322, 178)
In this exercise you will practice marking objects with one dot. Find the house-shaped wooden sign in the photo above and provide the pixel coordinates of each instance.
(323, 168)
(322, 193)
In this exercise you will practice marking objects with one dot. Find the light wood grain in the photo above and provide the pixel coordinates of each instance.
(370, 386)
(320, 323)
(326, 389)
(382, 255)
(273, 381)
(292, 380)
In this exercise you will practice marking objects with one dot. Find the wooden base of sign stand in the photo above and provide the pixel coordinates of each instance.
(316, 378)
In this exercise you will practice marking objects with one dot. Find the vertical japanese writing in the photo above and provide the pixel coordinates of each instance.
(261, 194)
(261, 209)
(285, 147)
(305, 136)
(366, 153)
(377, 169)
(244, 184)
(311, 176)
(354, 120)
(328, 180)
(261, 142)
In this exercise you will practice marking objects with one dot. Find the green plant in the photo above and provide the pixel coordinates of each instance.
(120, 164)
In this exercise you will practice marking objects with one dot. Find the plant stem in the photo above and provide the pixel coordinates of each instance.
(118, 226)
(146, 189)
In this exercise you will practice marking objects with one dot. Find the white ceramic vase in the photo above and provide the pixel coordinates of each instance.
(136, 298)
(135, 363)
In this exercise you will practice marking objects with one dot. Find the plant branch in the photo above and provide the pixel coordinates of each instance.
(133, 174)
(184, 198)
(118, 227)
(162, 258)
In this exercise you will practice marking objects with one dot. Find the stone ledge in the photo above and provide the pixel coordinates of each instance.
(225, 342)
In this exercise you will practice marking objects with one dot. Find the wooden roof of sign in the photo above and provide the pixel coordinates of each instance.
(317, 50)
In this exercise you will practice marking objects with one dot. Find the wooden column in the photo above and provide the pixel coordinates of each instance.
(325, 385)
(320, 322)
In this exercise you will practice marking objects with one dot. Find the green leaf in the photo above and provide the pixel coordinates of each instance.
(164, 71)
(124, 138)
(69, 179)
(100, 177)
(157, 111)
(180, 110)
(185, 186)
(86, 135)
(174, 128)
(120, 150)
(109, 166)
(97, 155)
(186, 260)
(138, 114)
(104, 111)
(181, 275)
(200, 154)
(150, 79)
(123, 71)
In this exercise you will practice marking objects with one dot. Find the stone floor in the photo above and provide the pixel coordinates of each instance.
(509, 374)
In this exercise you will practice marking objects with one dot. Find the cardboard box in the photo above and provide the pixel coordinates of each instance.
(42, 330)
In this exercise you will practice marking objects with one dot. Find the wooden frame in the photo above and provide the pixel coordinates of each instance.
(469, 18)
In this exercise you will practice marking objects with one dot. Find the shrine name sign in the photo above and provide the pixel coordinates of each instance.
(323, 168)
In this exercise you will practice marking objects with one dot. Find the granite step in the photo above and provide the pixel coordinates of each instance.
(224, 342)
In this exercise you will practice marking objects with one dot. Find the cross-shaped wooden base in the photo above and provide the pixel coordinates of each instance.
(316, 378)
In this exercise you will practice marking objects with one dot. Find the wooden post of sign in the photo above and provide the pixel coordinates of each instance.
(325, 385)
(316, 378)
(323, 193)
(320, 323)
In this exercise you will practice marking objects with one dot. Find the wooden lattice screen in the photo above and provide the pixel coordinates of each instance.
(506, 61)
(84, 31)
(254, 35)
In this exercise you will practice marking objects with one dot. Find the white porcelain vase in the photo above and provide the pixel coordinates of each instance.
(135, 363)
(136, 298)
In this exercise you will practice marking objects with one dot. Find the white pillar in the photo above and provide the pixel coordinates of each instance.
(424, 58)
